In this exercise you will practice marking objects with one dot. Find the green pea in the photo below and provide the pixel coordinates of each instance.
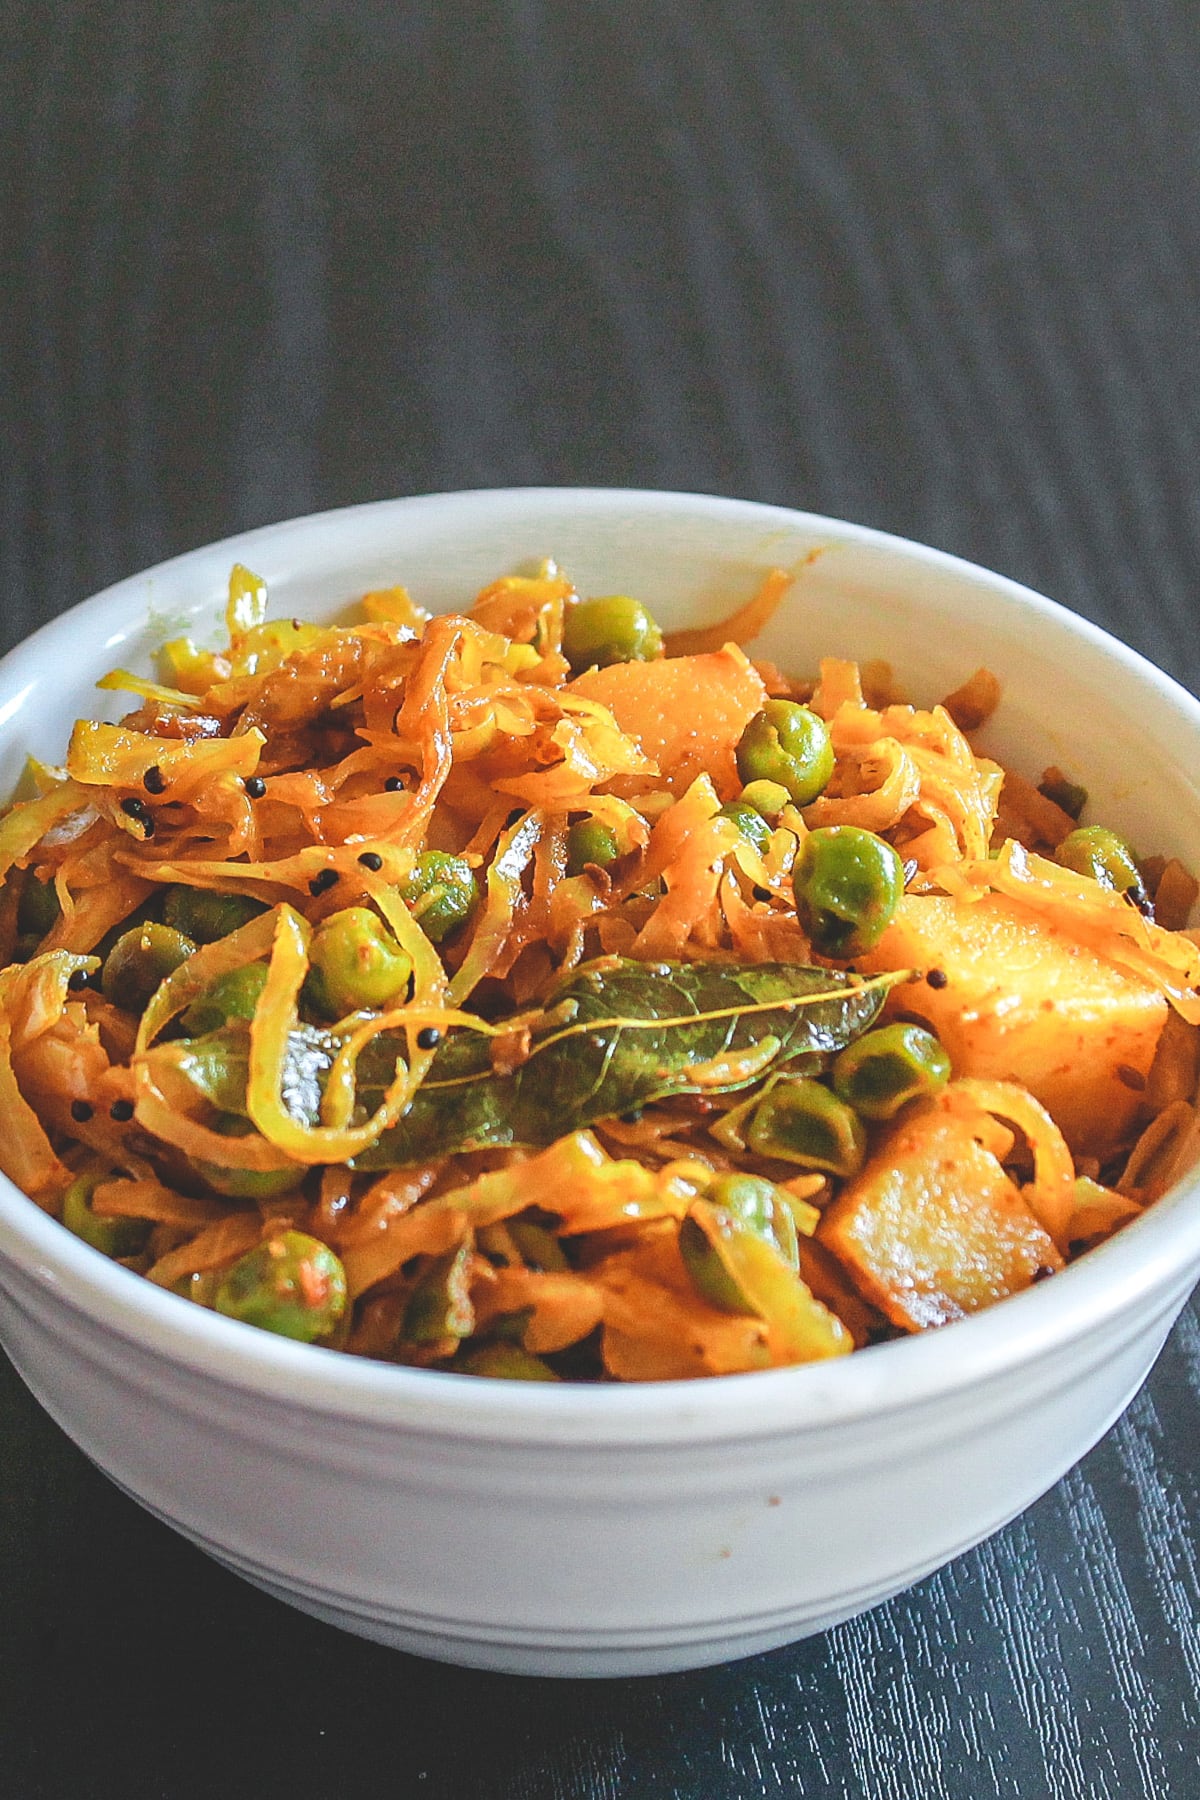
(139, 960)
(245, 1184)
(510, 1327)
(145, 913)
(442, 893)
(801, 1122)
(114, 1237)
(885, 1069)
(292, 1285)
(766, 797)
(38, 909)
(234, 995)
(847, 883)
(537, 1247)
(359, 962)
(751, 824)
(613, 629)
(736, 1204)
(200, 1287)
(707, 1268)
(789, 746)
(205, 916)
(1093, 850)
(590, 841)
(505, 1362)
(439, 1307)
(762, 1206)
(750, 1198)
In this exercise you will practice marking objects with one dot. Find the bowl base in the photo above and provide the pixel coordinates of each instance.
(595, 1663)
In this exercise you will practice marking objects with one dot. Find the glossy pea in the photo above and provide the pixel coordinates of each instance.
(1094, 850)
(144, 914)
(505, 1362)
(442, 893)
(234, 995)
(802, 1122)
(750, 823)
(140, 959)
(590, 841)
(537, 1246)
(847, 884)
(204, 916)
(760, 1206)
(200, 1287)
(440, 1305)
(245, 1184)
(766, 797)
(113, 1236)
(735, 1204)
(292, 1284)
(358, 962)
(612, 629)
(710, 1276)
(789, 746)
(885, 1069)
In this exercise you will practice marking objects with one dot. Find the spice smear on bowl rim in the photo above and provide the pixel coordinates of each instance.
(522, 993)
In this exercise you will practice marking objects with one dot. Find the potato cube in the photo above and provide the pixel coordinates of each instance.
(932, 1228)
(686, 712)
(1015, 999)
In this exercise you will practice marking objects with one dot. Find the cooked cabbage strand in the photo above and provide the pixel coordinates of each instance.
(525, 993)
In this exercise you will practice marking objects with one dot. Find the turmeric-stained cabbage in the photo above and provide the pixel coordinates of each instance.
(522, 993)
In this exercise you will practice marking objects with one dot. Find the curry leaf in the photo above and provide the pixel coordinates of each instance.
(619, 1035)
(216, 1065)
(613, 1037)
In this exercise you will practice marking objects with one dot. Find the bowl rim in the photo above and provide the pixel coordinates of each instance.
(1154, 1260)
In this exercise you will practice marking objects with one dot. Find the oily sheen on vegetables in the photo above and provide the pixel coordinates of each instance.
(615, 1036)
(523, 993)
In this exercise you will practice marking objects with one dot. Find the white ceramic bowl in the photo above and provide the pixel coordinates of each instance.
(606, 1531)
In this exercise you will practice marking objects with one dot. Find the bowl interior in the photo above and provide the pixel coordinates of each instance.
(1072, 696)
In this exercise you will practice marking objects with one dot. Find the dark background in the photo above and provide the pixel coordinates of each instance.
(932, 266)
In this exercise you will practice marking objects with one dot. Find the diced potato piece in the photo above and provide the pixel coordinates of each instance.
(1022, 1002)
(933, 1228)
(687, 712)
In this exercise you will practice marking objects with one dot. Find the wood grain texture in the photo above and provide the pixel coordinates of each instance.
(933, 267)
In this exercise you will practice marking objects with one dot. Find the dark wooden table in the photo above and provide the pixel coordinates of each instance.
(930, 264)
